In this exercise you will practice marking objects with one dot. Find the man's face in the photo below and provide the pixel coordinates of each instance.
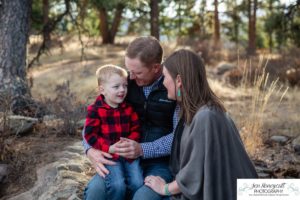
(142, 74)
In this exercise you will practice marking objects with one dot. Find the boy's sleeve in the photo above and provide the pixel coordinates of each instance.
(134, 126)
(92, 127)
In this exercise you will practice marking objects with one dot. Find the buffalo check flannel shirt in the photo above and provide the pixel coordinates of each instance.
(105, 125)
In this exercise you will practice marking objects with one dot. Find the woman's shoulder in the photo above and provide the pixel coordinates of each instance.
(208, 112)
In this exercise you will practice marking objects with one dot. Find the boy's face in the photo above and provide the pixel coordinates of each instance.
(142, 74)
(114, 90)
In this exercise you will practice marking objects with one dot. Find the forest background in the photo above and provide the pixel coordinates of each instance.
(50, 49)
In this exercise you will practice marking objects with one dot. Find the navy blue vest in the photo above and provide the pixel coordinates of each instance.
(155, 112)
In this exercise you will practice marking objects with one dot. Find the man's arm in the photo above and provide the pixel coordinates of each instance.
(85, 145)
(162, 146)
(158, 148)
(98, 158)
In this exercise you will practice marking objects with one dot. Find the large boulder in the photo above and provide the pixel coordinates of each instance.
(223, 67)
(293, 76)
(21, 125)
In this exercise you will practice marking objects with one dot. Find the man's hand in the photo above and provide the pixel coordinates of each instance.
(99, 159)
(128, 148)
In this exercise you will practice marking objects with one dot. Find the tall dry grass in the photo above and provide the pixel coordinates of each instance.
(263, 94)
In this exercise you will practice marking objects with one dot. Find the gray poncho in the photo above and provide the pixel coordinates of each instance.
(211, 158)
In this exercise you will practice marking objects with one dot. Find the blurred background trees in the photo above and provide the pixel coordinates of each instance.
(249, 24)
(244, 25)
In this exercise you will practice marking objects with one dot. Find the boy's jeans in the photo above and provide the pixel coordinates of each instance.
(96, 189)
(122, 176)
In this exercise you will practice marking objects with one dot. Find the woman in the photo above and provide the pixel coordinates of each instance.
(208, 155)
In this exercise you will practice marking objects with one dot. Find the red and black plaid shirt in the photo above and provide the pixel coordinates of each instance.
(105, 125)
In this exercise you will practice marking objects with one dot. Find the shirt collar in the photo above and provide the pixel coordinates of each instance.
(101, 103)
(154, 84)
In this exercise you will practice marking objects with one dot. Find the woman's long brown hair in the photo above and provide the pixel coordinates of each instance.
(195, 90)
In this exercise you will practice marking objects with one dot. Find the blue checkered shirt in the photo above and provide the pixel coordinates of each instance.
(160, 147)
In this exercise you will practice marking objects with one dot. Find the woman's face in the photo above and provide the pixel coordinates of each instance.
(169, 83)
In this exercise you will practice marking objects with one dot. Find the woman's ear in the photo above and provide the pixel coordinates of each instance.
(178, 81)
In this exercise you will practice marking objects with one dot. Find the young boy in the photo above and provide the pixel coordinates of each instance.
(108, 119)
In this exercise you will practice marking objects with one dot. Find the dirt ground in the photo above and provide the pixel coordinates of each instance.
(36, 149)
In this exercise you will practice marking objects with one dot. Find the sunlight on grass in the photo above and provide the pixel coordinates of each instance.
(261, 90)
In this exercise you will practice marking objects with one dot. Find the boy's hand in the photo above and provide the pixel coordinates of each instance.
(112, 148)
(99, 159)
(128, 148)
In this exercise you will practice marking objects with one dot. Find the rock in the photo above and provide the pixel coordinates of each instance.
(262, 169)
(224, 67)
(234, 77)
(293, 76)
(3, 172)
(21, 125)
(63, 179)
(296, 145)
(291, 173)
(279, 139)
(49, 117)
(263, 175)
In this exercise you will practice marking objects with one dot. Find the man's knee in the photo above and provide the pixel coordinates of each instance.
(116, 188)
(135, 182)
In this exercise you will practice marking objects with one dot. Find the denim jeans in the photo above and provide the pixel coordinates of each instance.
(121, 175)
(123, 180)
(96, 189)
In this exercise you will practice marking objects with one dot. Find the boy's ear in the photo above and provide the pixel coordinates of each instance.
(101, 89)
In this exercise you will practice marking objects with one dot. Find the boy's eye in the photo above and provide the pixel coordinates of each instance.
(116, 86)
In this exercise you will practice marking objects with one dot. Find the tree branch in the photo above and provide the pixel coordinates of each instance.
(48, 28)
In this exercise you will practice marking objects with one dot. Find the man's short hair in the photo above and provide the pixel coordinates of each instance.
(104, 72)
(147, 49)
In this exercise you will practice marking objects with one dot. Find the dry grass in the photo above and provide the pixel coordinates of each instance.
(264, 95)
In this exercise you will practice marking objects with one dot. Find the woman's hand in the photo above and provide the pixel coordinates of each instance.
(156, 183)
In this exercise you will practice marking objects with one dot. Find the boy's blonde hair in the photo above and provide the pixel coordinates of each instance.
(104, 72)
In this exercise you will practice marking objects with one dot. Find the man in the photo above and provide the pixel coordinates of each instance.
(148, 96)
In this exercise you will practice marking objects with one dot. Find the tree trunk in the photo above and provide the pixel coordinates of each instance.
(108, 34)
(46, 31)
(236, 24)
(83, 8)
(104, 29)
(216, 26)
(270, 32)
(202, 19)
(14, 27)
(116, 22)
(252, 6)
(154, 18)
